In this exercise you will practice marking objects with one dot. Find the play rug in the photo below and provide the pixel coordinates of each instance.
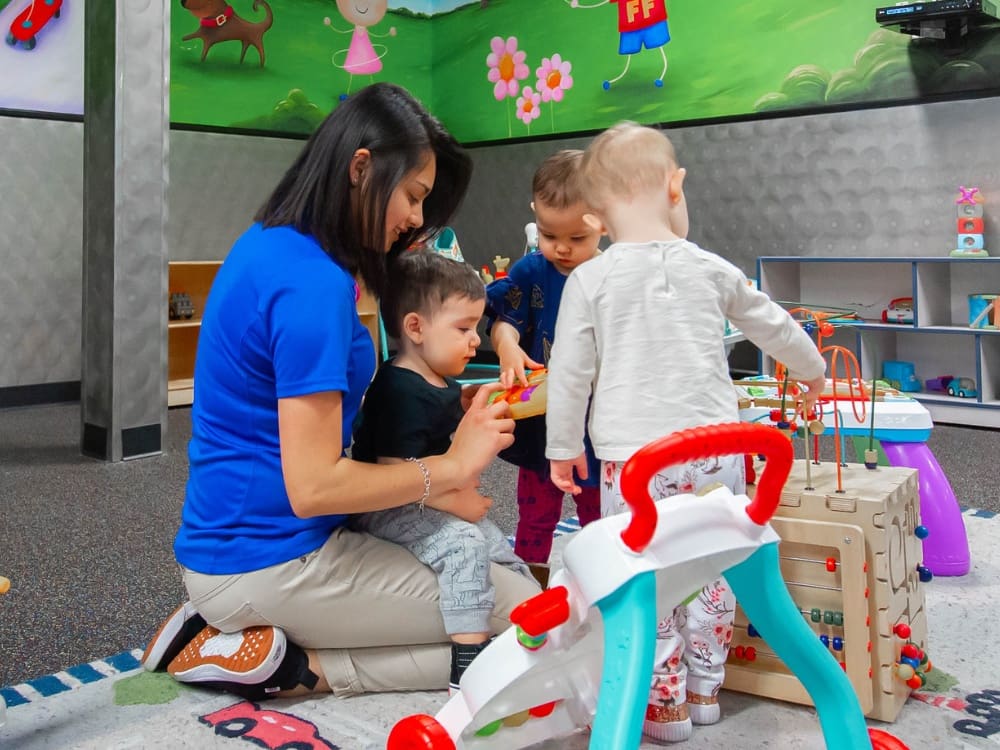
(112, 704)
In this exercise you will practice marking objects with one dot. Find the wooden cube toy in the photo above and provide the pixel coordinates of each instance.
(853, 564)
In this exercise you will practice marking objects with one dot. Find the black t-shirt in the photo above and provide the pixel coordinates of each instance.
(403, 415)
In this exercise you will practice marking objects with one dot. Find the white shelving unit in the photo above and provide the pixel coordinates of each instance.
(939, 341)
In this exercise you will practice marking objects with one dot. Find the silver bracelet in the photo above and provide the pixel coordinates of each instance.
(427, 480)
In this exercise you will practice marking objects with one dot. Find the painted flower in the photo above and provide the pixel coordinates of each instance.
(529, 105)
(507, 68)
(554, 78)
(609, 472)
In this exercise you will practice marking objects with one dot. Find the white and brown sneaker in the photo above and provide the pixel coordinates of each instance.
(667, 723)
(248, 657)
(183, 624)
(704, 709)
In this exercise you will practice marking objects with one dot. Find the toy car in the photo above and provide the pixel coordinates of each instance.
(899, 310)
(900, 375)
(940, 383)
(962, 387)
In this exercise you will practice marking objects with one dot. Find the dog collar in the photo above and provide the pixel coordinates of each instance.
(219, 20)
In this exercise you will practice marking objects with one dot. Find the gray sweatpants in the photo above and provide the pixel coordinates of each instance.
(368, 607)
(458, 551)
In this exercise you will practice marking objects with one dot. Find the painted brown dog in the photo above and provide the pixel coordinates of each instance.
(218, 22)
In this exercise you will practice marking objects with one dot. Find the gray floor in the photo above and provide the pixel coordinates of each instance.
(87, 545)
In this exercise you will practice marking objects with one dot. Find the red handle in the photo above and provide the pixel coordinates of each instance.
(542, 612)
(702, 442)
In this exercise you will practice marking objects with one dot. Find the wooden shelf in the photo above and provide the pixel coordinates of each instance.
(194, 278)
(938, 341)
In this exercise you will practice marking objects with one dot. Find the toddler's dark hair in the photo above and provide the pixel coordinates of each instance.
(420, 281)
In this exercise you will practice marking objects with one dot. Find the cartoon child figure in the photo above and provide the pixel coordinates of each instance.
(361, 57)
(641, 23)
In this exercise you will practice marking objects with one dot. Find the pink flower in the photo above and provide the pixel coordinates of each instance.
(529, 105)
(554, 78)
(507, 68)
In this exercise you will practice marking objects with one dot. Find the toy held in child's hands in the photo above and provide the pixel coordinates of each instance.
(526, 401)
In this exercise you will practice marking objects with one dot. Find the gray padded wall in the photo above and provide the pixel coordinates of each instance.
(217, 183)
(41, 236)
(873, 182)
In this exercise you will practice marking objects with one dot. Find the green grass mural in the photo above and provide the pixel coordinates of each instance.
(753, 57)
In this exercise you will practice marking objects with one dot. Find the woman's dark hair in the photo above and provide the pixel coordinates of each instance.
(420, 281)
(314, 196)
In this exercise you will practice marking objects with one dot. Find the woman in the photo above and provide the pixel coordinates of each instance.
(284, 598)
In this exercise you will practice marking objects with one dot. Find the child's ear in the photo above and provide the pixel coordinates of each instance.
(594, 222)
(532, 204)
(413, 327)
(675, 185)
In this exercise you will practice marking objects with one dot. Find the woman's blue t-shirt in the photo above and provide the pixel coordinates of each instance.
(280, 321)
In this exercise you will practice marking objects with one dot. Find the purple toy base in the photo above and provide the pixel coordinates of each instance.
(946, 548)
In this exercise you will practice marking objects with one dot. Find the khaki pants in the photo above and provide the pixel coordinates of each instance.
(368, 607)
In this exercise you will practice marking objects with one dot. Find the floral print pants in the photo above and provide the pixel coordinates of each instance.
(692, 642)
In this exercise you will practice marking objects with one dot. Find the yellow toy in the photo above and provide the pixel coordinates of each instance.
(526, 401)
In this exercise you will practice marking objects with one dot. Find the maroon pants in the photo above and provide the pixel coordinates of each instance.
(539, 505)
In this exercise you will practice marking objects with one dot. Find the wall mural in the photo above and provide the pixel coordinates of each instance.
(42, 57)
(282, 65)
(500, 69)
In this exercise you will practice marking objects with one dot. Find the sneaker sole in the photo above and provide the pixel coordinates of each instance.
(257, 658)
(668, 731)
(164, 646)
(705, 715)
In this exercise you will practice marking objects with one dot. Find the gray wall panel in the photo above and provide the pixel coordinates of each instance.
(41, 210)
(873, 182)
(217, 183)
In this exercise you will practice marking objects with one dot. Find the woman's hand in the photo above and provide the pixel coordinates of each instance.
(468, 393)
(485, 430)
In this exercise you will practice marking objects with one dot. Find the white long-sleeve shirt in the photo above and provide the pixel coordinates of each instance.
(641, 328)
